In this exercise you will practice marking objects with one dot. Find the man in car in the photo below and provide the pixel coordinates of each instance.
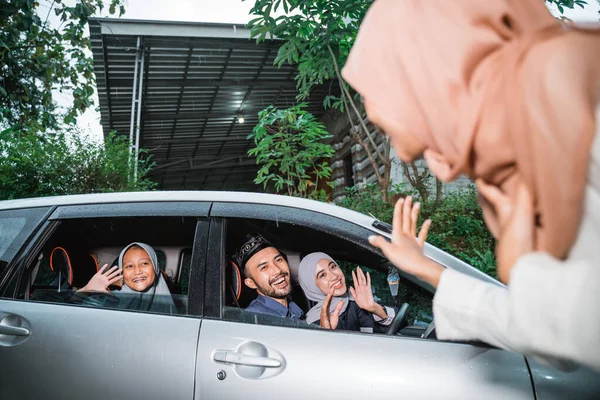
(266, 269)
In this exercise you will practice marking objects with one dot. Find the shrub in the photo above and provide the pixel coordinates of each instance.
(458, 226)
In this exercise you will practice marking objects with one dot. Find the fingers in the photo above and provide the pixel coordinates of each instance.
(325, 317)
(424, 232)
(109, 271)
(361, 276)
(114, 280)
(113, 274)
(414, 217)
(491, 193)
(354, 279)
(406, 209)
(327, 301)
(397, 219)
(382, 244)
(353, 292)
(368, 280)
(524, 200)
(338, 309)
(101, 270)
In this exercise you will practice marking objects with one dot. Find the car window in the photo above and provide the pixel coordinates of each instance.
(184, 269)
(79, 248)
(296, 241)
(15, 227)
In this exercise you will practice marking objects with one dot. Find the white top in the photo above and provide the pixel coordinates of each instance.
(551, 309)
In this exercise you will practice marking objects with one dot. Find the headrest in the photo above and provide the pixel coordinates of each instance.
(60, 262)
(233, 283)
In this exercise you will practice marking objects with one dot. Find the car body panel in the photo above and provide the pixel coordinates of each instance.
(343, 365)
(80, 352)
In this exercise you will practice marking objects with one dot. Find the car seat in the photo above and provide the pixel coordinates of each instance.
(234, 286)
(60, 263)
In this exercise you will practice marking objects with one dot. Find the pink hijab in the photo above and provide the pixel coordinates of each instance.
(501, 88)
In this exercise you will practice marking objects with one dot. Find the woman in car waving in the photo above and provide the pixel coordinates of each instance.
(323, 281)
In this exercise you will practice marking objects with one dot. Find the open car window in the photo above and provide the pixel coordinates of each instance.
(296, 241)
(78, 248)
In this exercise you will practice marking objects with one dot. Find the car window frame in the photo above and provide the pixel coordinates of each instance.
(223, 211)
(194, 209)
(21, 253)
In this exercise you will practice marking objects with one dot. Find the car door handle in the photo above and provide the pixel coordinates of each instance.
(233, 357)
(13, 330)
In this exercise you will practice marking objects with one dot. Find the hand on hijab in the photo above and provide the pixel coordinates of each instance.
(406, 249)
(516, 225)
(330, 320)
(103, 279)
(363, 295)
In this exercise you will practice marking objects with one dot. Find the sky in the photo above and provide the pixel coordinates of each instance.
(225, 11)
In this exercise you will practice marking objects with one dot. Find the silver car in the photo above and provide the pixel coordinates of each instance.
(209, 347)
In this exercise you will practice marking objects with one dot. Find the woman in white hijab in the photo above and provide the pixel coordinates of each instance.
(323, 281)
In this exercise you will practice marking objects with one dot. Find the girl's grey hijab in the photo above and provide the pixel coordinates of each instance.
(156, 298)
(306, 276)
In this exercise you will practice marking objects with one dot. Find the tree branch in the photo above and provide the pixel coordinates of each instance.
(345, 91)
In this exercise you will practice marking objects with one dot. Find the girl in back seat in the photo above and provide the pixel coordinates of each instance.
(144, 288)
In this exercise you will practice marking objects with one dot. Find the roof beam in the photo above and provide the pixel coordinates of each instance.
(114, 27)
(196, 82)
(246, 163)
(169, 116)
(214, 97)
(216, 139)
(180, 97)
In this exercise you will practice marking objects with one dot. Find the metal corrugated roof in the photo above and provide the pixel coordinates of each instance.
(196, 79)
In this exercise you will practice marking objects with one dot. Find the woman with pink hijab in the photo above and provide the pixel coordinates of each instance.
(504, 93)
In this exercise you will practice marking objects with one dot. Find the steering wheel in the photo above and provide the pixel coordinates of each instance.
(399, 320)
(430, 331)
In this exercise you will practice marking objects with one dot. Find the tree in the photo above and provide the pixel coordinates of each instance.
(290, 151)
(38, 165)
(36, 59)
(317, 35)
(562, 4)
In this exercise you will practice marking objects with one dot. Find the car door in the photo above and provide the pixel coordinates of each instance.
(243, 356)
(63, 351)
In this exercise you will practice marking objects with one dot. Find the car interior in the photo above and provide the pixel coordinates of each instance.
(78, 248)
(295, 242)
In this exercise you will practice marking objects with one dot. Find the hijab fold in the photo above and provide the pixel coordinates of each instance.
(501, 88)
(307, 278)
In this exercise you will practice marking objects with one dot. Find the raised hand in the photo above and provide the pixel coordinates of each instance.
(406, 249)
(103, 279)
(516, 225)
(362, 293)
(330, 320)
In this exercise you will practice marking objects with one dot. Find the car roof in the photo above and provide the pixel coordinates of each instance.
(237, 197)
(209, 196)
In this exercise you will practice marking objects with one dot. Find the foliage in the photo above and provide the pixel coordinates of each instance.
(317, 36)
(310, 31)
(290, 151)
(36, 58)
(562, 4)
(368, 200)
(58, 164)
(457, 227)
